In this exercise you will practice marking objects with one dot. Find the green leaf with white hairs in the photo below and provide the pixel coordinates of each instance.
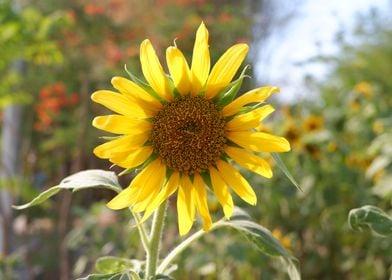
(263, 239)
(87, 179)
(110, 264)
(125, 275)
(40, 198)
(284, 169)
(162, 277)
(259, 235)
(379, 222)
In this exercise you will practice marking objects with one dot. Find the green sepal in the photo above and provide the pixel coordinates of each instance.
(207, 179)
(247, 109)
(126, 171)
(228, 93)
(143, 85)
(173, 88)
(141, 166)
(109, 138)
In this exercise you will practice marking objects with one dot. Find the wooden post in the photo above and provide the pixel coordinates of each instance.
(10, 169)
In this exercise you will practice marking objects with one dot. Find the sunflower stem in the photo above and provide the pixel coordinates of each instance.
(155, 240)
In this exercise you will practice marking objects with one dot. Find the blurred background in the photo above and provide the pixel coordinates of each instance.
(333, 62)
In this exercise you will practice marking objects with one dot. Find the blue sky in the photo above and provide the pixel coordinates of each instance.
(309, 33)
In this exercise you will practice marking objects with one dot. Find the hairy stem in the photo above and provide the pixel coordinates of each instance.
(155, 240)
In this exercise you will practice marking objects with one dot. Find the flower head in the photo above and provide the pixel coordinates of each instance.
(184, 131)
(313, 123)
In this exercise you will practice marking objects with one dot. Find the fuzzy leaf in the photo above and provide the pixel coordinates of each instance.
(94, 178)
(370, 216)
(109, 264)
(162, 277)
(126, 275)
(40, 198)
(264, 241)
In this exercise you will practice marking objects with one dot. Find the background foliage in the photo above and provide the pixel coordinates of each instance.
(341, 139)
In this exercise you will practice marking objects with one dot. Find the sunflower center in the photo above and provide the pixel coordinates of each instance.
(188, 134)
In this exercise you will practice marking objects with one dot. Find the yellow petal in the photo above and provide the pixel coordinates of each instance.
(120, 104)
(238, 183)
(121, 124)
(132, 90)
(122, 200)
(120, 145)
(259, 141)
(185, 205)
(153, 72)
(170, 187)
(201, 201)
(225, 68)
(141, 205)
(179, 70)
(249, 120)
(134, 158)
(149, 180)
(256, 95)
(222, 193)
(200, 60)
(144, 184)
(249, 161)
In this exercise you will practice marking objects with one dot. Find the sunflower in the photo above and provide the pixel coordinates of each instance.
(183, 131)
(313, 123)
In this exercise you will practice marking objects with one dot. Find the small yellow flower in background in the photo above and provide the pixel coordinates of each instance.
(356, 160)
(184, 130)
(313, 123)
(378, 176)
(364, 88)
(332, 146)
(378, 127)
(293, 134)
(355, 105)
(286, 242)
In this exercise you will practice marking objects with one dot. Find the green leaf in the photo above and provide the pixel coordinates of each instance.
(40, 198)
(292, 267)
(284, 169)
(162, 277)
(94, 178)
(110, 264)
(125, 275)
(373, 217)
(260, 236)
(264, 240)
